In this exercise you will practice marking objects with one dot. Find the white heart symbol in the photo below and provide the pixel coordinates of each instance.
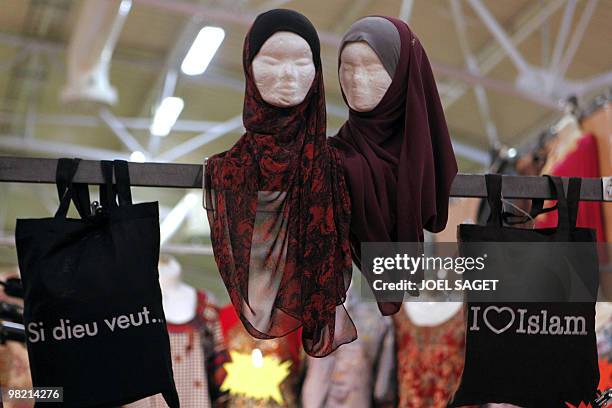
(498, 310)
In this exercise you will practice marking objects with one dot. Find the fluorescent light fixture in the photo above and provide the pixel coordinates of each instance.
(202, 51)
(137, 156)
(125, 7)
(166, 115)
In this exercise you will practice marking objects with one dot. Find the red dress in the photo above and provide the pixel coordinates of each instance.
(581, 161)
(429, 360)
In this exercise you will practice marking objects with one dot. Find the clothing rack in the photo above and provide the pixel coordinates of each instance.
(172, 175)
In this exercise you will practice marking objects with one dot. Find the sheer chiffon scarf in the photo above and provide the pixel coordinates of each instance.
(279, 211)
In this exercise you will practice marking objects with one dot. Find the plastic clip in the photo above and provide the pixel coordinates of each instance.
(606, 184)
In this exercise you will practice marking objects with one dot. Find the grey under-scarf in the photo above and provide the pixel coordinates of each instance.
(381, 35)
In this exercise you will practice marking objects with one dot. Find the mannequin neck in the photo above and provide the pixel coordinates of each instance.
(170, 283)
(179, 299)
(429, 314)
(180, 302)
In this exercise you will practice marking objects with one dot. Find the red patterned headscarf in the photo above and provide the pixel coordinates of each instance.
(279, 210)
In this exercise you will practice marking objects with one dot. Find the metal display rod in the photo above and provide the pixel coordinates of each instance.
(171, 175)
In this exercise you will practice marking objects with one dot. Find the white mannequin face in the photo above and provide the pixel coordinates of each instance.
(363, 77)
(283, 69)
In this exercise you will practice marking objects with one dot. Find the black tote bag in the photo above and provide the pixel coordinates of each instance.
(507, 361)
(92, 306)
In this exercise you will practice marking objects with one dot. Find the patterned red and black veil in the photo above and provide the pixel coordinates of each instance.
(279, 210)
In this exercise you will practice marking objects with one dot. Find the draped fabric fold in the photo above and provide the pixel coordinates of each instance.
(398, 158)
(279, 210)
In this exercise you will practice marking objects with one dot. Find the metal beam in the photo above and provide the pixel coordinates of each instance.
(599, 81)
(481, 96)
(568, 56)
(94, 121)
(336, 110)
(545, 51)
(496, 85)
(33, 170)
(166, 81)
(566, 24)
(329, 39)
(187, 249)
(500, 34)
(326, 37)
(58, 148)
(471, 153)
(232, 124)
(120, 131)
(492, 54)
(406, 10)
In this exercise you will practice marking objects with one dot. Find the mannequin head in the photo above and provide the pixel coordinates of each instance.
(283, 69)
(363, 77)
(169, 271)
(367, 61)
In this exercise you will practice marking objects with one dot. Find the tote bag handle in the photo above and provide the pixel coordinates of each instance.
(109, 192)
(79, 193)
(67, 190)
(567, 207)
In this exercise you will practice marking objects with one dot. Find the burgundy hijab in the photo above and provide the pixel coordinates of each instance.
(398, 158)
(279, 210)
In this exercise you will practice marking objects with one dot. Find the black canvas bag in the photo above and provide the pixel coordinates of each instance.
(505, 365)
(92, 306)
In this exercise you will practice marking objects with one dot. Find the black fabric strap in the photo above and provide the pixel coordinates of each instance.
(562, 207)
(107, 191)
(537, 208)
(67, 190)
(122, 174)
(573, 200)
(494, 186)
(64, 173)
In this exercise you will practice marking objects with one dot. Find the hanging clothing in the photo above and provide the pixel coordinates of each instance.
(357, 375)
(14, 363)
(603, 331)
(429, 360)
(15, 371)
(279, 210)
(198, 353)
(398, 158)
(261, 373)
(580, 161)
(600, 124)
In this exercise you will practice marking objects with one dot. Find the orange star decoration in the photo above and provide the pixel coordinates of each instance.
(605, 374)
(255, 376)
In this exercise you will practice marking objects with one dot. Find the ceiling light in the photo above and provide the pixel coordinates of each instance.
(137, 157)
(166, 115)
(202, 51)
